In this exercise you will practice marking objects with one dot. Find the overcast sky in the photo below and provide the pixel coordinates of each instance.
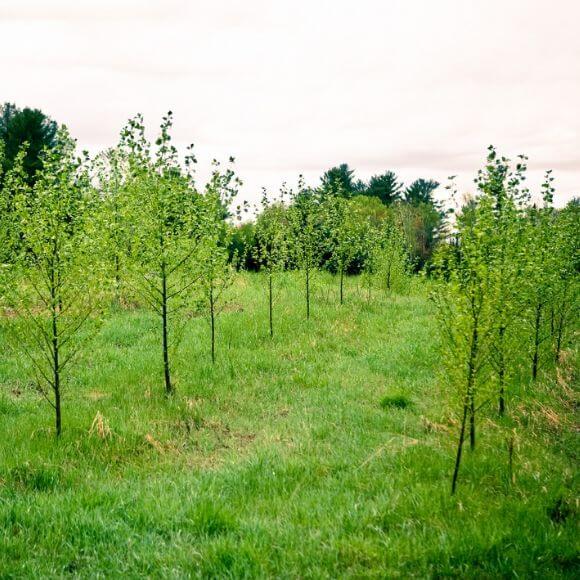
(296, 86)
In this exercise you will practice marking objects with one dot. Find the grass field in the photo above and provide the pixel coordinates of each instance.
(326, 452)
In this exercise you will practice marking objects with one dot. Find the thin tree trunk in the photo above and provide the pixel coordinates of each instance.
(501, 371)
(472, 422)
(56, 307)
(501, 393)
(511, 477)
(271, 309)
(559, 336)
(212, 321)
(165, 339)
(341, 285)
(57, 408)
(116, 258)
(468, 404)
(117, 278)
(536, 355)
(308, 293)
(560, 324)
(56, 370)
(459, 449)
(471, 380)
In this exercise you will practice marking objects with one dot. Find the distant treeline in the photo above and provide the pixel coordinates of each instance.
(383, 199)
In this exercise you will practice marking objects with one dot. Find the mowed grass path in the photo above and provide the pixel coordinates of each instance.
(326, 452)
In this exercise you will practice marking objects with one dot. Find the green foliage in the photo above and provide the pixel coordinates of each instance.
(464, 311)
(422, 225)
(113, 177)
(394, 263)
(242, 246)
(272, 249)
(30, 126)
(56, 281)
(216, 268)
(340, 181)
(385, 187)
(164, 224)
(272, 244)
(371, 258)
(541, 274)
(370, 209)
(421, 192)
(345, 231)
(505, 290)
(15, 187)
(564, 309)
(418, 213)
(499, 285)
(306, 224)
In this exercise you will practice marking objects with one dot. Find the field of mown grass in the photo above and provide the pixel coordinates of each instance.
(326, 452)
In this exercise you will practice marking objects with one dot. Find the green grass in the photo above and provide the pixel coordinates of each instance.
(326, 452)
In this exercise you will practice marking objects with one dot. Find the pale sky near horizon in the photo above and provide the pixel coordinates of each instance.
(421, 87)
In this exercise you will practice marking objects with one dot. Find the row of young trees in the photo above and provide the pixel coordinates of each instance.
(507, 295)
(307, 230)
(132, 223)
(414, 210)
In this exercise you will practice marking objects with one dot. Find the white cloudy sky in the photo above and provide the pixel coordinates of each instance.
(295, 86)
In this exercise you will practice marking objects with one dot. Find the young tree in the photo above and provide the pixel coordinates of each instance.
(305, 222)
(112, 173)
(216, 269)
(371, 257)
(344, 225)
(162, 213)
(503, 189)
(393, 255)
(540, 276)
(271, 244)
(464, 313)
(56, 285)
(566, 294)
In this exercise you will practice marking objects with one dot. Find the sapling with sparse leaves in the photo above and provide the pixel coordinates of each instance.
(217, 271)
(272, 244)
(566, 292)
(393, 258)
(344, 233)
(372, 250)
(464, 313)
(164, 230)
(504, 189)
(111, 170)
(540, 276)
(306, 224)
(56, 287)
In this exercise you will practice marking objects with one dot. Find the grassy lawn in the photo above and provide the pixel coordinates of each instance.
(326, 452)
